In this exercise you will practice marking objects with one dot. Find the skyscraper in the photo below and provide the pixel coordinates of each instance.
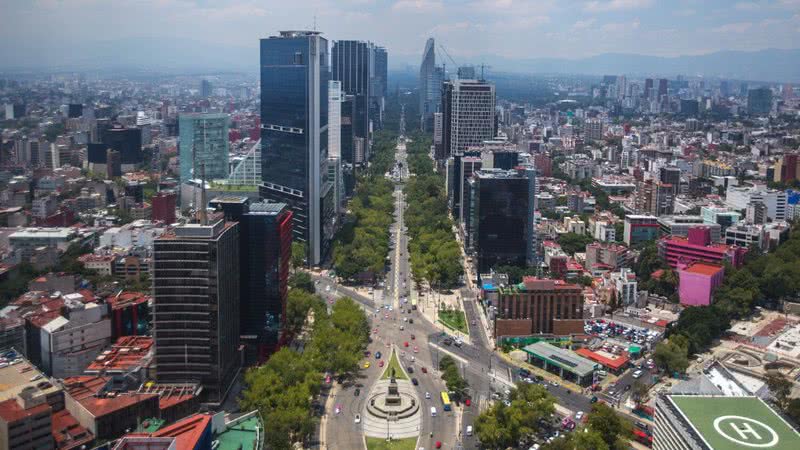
(205, 88)
(203, 139)
(265, 246)
(498, 210)
(379, 84)
(648, 87)
(196, 306)
(759, 100)
(430, 84)
(468, 120)
(335, 98)
(294, 135)
(662, 87)
(350, 64)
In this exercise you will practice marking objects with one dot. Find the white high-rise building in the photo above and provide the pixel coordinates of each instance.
(469, 117)
(335, 119)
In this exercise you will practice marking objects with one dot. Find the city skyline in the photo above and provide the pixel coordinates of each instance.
(469, 30)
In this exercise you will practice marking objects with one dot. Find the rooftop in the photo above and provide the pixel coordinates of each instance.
(560, 357)
(67, 432)
(19, 374)
(729, 423)
(704, 268)
(607, 359)
(91, 393)
(245, 433)
(187, 431)
(127, 353)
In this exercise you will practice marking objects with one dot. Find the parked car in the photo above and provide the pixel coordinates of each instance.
(415, 382)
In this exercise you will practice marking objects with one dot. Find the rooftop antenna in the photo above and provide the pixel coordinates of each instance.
(202, 210)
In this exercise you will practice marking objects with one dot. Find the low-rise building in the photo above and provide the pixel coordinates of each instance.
(539, 306)
(678, 251)
(640, 228)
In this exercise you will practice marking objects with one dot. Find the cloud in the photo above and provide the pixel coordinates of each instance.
(738, 27)
(746, 6)
(420, 6)
(684, 12)
(615, 5)
(583, 24)
(615, 27)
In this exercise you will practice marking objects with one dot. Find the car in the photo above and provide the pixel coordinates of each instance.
(413, 337)
(378, 355)
(410, 369)
(405, 319)
(357, 392)
(424, 370)
(358, 418)
(637, 374)
(438, 444)
(579, 415)
(459, 342)
(447, 341)
(405, 344)
(627, 388)
(380, 363)
(594, 399)
(467, 402)
(402, 328)
(415, 382)
(413, 358)
(416, 349)
(410, 320)
(642, 426)
(403, 354)
(612, 393)
(428, 395)
(555, 384)
(327, 288)
(366, 365)
(469, 430)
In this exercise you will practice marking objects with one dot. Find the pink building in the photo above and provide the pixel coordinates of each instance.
(697, 246)
(698, 281)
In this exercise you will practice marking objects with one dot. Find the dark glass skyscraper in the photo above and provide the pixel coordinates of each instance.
(294, 134)
(265, 231)
(350, 64)
(499, 221)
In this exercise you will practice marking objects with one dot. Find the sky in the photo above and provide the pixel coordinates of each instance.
(467, 29)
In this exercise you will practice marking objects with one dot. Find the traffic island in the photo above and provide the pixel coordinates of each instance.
(396, 444)
(392, 410)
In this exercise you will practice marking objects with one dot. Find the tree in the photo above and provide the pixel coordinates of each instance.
(611, 428)
(793, 409)
(672, 354)
(302, 281)
(639, 392)
(504, 426)
(572, 243)
(780, 388)
(298, 254)
(579, 440)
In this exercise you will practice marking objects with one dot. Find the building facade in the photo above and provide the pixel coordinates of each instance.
(539, 306)
(294, 135)
(203, 140)
(196, 306)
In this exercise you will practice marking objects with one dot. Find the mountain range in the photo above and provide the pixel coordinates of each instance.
(181, 55)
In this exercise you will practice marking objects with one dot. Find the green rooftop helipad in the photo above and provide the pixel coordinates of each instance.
(733, 423)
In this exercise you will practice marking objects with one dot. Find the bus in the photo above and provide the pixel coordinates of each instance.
(446, 401)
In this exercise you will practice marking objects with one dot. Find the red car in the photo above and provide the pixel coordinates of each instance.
(405, 344)
(468, 402)
(438, 444)
(424, 370)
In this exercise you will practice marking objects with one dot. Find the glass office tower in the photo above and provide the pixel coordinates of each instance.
(350, 64)
(203, 139)
(294, 135)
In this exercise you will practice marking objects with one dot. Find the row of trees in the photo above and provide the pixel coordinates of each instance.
(362, 243)
(456, 384)
(529, 413)
(434, 253)
(283, 389)
(763, 280)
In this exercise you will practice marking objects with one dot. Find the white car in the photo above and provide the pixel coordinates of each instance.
(358, 418)
(578, 415)
(428, 395)
(637, 374)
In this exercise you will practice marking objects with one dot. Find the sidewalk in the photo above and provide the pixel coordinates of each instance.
(323, 423)
(429, 302)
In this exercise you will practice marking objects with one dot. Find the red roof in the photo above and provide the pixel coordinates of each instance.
(125, 354)
(84, 388)
(704, 268)
(615, 363)
(187, 431)
(125, 299)
(67, 432)
(11, 411)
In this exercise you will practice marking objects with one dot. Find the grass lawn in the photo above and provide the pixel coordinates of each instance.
(398, 444)
(454, 320)
(399, 373)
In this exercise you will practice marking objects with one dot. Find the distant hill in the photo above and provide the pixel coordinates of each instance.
(188, 55)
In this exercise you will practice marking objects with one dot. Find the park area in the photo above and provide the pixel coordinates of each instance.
(397, 444)
(454, 319)
(394, 363)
